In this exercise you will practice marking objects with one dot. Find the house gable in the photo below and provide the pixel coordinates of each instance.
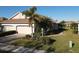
(18, 15)
(18, 18)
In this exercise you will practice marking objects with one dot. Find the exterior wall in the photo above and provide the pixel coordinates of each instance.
(14, 24)
(20, 28)
(9, 28)
(24, 30)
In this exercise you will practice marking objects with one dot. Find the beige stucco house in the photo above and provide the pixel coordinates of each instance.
(19, 23)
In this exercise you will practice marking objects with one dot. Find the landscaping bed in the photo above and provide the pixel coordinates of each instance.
(43, 43)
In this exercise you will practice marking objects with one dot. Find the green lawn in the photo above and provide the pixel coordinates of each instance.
(61, 44)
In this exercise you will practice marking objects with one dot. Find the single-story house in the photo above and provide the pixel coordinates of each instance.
(19, 23)
(68, 23)
(77, 27)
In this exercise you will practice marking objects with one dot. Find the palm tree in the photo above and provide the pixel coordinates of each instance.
(40, 21)
(30, 12)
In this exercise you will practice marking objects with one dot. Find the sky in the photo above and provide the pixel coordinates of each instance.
(55, 12)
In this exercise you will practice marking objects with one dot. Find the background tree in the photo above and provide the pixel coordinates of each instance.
(74, 27)
(62, 25)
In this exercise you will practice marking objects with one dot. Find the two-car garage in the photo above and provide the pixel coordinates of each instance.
(24, 30)
(9, 28)
(20, 28)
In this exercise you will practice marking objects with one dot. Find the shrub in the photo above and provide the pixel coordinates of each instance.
(43, 43)
(26, 43)
(28, 36)
(33, 43)
(50, 49)
(7, 33)
(46, 40)
(36, 36)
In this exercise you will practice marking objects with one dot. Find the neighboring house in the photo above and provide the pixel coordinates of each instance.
(68, 23)
(19, 23)
(1, 20)
(73, 25)
(77, 26)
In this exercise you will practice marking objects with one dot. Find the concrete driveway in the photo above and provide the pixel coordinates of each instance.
(10, 37)
(5, 45)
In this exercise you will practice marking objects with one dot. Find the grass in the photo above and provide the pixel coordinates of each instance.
(21, 42)
(61, 44)
(44, 43)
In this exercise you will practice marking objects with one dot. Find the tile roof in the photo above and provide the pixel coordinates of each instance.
(16, 21)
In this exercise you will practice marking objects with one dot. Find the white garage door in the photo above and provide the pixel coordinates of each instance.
(24, 30)
(9, 28)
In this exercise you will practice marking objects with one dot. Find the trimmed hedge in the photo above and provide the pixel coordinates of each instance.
(7, 33)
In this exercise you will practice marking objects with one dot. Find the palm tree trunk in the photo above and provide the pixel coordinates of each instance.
(32, 30)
